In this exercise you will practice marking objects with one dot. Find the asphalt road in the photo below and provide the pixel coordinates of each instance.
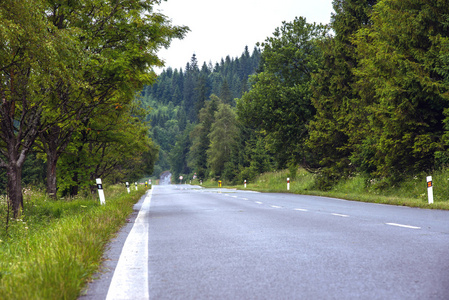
(185, 242)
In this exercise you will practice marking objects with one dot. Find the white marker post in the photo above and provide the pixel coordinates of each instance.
(288, 184)
(136, 185)
(127, 186)
(245, 183)
(430, 189)
(100, 191)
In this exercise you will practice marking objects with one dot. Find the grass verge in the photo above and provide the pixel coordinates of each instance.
(56, 246)
(412, 192)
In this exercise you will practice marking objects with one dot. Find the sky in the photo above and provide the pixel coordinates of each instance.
(221, 28)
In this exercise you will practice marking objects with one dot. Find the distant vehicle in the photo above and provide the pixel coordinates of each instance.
(165, 178)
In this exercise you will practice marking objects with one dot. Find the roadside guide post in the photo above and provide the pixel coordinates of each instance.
(146, 184)
(150, 183)
(180, 178)
(136, 185)
(127, 186)
(430, 189)
(219, 183)
(100, 191)
(245, 183)
(288, 184)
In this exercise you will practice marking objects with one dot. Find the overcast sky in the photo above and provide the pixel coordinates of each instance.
(221, 28)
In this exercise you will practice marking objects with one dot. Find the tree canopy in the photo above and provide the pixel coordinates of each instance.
(64, 67)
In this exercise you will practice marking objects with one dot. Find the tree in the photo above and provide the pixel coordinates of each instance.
(225, 92)
(178, 154)
(33, 58)
(190, 92)
(332, 136)
(222, 136)
(400, 84)
(200, 137)
(121, 41)
(279, 100)
(114, 146)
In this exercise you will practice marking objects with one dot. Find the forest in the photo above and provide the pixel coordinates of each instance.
(366, 94)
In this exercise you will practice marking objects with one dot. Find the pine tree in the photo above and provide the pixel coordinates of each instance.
(200, 137)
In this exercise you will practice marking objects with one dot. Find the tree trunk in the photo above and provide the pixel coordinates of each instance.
(52, 159)
(54, 142)
(15, 197)
(74, 188)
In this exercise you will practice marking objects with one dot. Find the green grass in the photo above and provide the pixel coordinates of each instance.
(412, 192)
(56, 246)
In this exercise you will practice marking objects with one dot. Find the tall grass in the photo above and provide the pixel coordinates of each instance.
(55, 247)
(411, 192)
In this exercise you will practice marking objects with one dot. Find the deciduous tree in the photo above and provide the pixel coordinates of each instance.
(222, 137)
(279, 100)
(33, 58)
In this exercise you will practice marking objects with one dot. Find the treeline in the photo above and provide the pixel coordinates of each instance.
(177, 97)
(367, 94)
(69, 72)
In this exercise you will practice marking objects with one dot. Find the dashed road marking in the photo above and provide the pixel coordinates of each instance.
(300, 209)
(258, 202)
(402, 225)
(275, 206)
(340, 215)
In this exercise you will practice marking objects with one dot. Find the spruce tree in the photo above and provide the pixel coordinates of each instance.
(402, 87)
(331, 138)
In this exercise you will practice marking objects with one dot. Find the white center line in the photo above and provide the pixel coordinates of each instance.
(245, 198)
(275, 206)
(402, 225)
(340, 215)
(259, 202)
(300, 209)
(234, 196)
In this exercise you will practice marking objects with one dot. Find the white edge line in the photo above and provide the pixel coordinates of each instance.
(402, 225)
(129, 266)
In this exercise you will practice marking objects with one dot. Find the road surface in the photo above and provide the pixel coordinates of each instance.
(185, 242)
